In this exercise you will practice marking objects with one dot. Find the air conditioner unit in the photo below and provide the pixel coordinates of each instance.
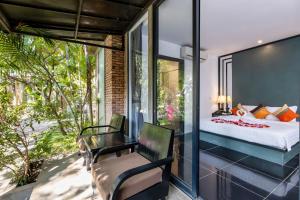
(186, 52)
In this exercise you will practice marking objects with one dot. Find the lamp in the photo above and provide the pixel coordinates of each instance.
(223, 101)
(228, 101)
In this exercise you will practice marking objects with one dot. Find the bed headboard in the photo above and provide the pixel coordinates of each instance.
(268, 74)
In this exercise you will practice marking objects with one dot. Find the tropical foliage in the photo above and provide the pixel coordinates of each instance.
(42, 80)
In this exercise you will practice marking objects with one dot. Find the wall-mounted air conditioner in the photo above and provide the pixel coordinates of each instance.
(186, 52)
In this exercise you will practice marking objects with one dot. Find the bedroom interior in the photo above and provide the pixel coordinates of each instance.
(249, 72)
(252, 115)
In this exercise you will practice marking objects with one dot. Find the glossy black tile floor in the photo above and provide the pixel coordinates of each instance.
(226, 174)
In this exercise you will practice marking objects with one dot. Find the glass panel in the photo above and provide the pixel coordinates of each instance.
(139, 98)
(170, 101)
(174, 81)
(101, 85)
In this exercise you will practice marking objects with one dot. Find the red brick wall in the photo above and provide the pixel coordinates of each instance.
(114, 78)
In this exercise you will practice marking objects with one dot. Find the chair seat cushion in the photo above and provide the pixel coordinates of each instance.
(106, 171)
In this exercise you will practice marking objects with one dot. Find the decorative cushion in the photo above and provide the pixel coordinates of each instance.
(234, 110)
(241, 113)
(241, 107)
(260, 112)
(239, 110)
(106, 171)
(285, 114)
(256, 108)
(281, 109)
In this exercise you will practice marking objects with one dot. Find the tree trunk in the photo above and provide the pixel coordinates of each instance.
(57, 116)
(58, 119)
(89, 84)
(53, 109)
(60, 90)
(27, 170)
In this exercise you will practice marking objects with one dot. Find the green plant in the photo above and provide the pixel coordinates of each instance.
(41, 80)
(14, 137)
(52, 143)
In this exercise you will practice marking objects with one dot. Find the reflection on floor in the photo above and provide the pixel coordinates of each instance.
(230, 175)
(226, 174)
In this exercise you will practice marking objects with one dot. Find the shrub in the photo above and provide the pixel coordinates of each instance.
(51, 143)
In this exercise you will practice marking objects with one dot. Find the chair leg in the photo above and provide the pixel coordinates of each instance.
(84, 160)
(118, 154)
(132, 149)
(88, 161)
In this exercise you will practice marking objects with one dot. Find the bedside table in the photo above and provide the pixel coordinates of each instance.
(219, 113)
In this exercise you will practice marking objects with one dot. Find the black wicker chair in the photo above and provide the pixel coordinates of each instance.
(143, 174)
(117, 124)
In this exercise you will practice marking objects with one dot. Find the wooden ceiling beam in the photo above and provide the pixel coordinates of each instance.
(64, 11)
(4, 22)
(126, 4)
(70, 40)
(78, 18)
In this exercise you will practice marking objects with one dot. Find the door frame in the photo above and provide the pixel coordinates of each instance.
(192, 191)
(129, 69)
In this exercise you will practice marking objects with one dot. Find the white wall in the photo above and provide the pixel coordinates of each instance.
(208, 86)
(169, 49)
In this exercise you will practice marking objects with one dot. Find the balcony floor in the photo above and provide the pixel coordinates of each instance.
(67, 178)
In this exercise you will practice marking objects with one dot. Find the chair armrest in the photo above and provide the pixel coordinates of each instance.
(113, 149)
(91, 127)
(132, 172)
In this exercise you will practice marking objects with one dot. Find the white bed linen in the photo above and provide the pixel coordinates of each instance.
(281, 135)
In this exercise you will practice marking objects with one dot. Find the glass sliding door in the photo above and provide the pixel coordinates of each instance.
(139, 92)
(174, 82)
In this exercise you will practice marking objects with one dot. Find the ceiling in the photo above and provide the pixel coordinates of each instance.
(231, 25)
(81, 20)
(226, 26)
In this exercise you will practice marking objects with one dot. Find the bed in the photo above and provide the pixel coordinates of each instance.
(278, 143)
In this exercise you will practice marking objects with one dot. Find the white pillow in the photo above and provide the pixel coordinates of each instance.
(272, 117)
(249, 115)
(249, 108)
(294, 108)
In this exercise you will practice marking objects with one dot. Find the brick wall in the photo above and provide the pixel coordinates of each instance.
(114, 78)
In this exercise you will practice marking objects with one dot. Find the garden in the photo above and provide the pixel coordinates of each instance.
(47, 94)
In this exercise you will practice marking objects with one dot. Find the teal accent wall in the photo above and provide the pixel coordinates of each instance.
(269, 74)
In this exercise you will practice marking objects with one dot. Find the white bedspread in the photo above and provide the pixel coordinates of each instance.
(281, 135)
